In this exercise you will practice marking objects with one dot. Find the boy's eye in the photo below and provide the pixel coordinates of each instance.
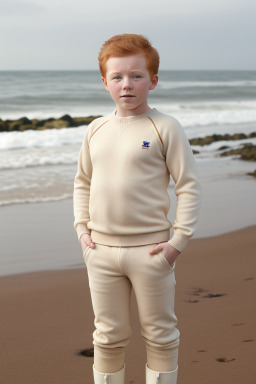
(117, 77)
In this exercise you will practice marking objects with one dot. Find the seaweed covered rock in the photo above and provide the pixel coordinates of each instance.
(55, 124)
(3, 126)
(24, 123)
(247, 152)
(211, 139)
(252, 173)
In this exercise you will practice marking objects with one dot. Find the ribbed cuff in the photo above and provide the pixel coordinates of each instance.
(179, 242)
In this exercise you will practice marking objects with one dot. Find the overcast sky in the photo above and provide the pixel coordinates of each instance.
(68, 34)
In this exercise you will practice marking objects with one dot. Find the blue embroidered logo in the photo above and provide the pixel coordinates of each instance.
(145, 145)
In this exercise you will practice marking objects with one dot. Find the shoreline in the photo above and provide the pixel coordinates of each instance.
(49, 314)
(81, 264)
(41, 236)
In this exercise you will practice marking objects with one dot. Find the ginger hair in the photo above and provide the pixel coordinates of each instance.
(126, 45)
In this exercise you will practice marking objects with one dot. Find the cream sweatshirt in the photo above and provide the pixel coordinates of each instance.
(120, 189)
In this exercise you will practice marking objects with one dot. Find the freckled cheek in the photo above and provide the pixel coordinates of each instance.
(142, 88)
(115, 89)
(114, 92)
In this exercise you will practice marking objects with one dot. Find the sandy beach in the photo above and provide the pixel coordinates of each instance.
(47, 319)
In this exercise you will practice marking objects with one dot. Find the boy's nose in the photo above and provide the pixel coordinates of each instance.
(127, 84)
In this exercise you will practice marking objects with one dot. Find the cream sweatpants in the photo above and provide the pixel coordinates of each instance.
(112, 272)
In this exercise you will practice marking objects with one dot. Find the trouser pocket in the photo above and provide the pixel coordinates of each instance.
(85, 253)
(165, 262)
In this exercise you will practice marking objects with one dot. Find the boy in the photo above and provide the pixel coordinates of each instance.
(121, 205)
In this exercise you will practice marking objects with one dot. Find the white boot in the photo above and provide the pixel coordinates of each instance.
(109, 378)
(155, 377)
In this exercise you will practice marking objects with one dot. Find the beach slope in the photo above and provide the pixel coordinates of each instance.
(47, 319)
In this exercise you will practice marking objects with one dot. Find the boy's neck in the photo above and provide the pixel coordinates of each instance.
(126, 113)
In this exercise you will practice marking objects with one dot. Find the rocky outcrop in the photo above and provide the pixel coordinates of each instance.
(252, 173)
(24, 123)
(210, 139)
(247, 152)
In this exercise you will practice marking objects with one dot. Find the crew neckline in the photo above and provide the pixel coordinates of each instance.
(129, 119)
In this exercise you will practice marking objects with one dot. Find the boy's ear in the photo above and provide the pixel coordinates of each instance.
(105, 83)
(154, 82)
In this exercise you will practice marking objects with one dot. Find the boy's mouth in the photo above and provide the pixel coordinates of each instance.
(127, 95)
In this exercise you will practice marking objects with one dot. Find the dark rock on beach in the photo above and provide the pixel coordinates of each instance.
(210, 139)
(252, 173)
(247, 152)
(223, 147)
(24, 123)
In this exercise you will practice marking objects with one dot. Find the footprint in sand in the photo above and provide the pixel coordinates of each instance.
(196, 292)
(191, 301)
(225, 359)
(237, 324)
(87, 352)
(200, 291)
(211, 295)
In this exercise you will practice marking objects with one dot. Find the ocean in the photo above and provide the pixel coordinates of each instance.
(38, 166)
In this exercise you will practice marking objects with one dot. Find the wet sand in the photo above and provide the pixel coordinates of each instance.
(47, 319)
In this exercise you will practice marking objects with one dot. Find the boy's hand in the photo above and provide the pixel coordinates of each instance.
(86, 240)
(169, 252)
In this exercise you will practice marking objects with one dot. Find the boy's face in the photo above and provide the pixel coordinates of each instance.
(128, 81)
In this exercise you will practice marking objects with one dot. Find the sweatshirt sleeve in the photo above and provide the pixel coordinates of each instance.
(81, 193)
(182, 167)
